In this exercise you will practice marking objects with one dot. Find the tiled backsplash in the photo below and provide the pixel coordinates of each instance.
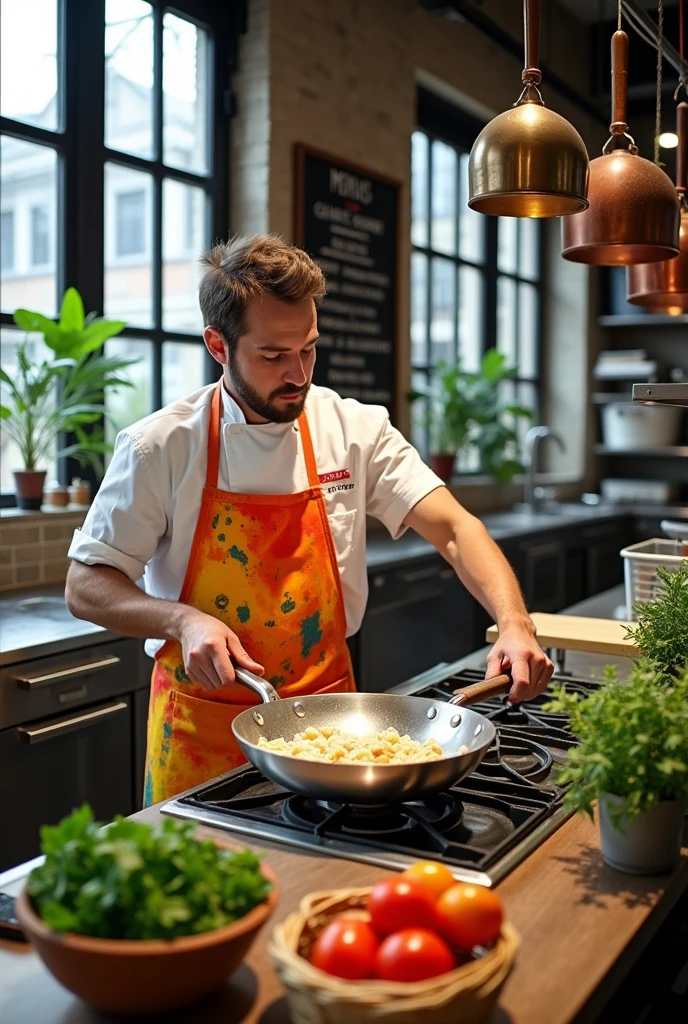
(34, 545)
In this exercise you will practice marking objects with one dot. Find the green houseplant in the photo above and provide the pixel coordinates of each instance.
(63, 395)
(632, 757)
(135, 919)
(467, 410)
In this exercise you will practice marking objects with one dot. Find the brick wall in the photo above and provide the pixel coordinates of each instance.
(341, 76)
(33, 546)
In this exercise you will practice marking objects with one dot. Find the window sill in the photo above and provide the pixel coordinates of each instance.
(68, 511)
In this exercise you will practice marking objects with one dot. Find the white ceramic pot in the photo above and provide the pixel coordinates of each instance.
(627, 426)
(648, 844)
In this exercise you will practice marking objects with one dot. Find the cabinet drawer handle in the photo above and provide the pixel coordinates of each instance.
(419, 574)
(447, 574)
(33, 682)
(543, 550)
(40, 733)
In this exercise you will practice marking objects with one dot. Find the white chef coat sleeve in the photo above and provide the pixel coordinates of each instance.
(127, 519)
(396, 480)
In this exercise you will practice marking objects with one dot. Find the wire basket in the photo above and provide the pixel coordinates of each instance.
(641, 562)
(467, 995)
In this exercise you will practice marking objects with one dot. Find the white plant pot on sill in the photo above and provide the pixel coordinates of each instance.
(626, 426)
(649, 844)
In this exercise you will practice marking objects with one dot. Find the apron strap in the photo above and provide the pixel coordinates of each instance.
(211, 473)
(214, 438)
(308, 453)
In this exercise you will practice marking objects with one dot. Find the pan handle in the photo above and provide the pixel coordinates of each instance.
(482, 691)
(262, 687)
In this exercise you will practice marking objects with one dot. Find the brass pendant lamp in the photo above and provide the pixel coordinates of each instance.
(528, 161)
(633, 216)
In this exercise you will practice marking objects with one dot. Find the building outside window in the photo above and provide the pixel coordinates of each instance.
(475, 280)
(7, 240)
(131, 228)
(40, 235)
(145, 154)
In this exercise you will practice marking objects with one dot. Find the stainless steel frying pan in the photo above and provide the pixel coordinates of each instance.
(449, 723)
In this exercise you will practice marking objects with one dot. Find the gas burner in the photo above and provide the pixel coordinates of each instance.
(442, 811)
(521, 757)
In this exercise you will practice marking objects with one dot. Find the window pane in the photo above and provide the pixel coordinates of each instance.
(528, 248)
(471, 285)
(129, 77)
(444, 212)
(130, 404)
(37, 350)
(527, 330)
(527, 396)
(186, 97)
(419, 433)
(419, 309)
(506, 318)
(507, 240)
(419, 188)
(471, 224)
(442, 315)
(128, 243)
(28, 176)
(184, 235)
(28, 82)
(183, 370)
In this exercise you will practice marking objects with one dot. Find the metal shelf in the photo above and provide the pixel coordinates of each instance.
(642, 320)
(669, 451)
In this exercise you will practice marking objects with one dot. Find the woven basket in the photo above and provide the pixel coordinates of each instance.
(466, 995)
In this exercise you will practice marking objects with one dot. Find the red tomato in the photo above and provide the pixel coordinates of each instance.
(346, 949)
(435, 877)
(413, 954)
(401, 902)
(469, 915)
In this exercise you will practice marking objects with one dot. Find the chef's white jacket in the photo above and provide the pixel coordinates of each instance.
(143, 518)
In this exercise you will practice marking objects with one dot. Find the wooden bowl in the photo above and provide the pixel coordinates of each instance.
(146, 975)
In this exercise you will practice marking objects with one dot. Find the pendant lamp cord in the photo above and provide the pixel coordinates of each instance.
(618, 15)
(682, 72)
(660, 55)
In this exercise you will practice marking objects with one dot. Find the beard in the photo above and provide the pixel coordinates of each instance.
(267, 408)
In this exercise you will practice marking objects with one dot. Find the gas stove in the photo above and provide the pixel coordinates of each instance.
(481, 827)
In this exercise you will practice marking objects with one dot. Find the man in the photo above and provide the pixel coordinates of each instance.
(223, 503)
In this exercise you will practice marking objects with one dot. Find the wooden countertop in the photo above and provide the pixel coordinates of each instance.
(582, 925)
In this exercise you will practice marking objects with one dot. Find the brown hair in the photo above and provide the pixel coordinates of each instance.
(243, 268)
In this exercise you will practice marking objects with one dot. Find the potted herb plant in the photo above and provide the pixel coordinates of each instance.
(467, 410)
(661, 633)
(632, 757)
(138, 920)
(43, 401)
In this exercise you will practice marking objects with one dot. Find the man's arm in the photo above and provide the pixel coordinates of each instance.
(106, 596)
(482, 568)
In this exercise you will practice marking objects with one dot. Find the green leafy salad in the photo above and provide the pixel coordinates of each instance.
(130, 881)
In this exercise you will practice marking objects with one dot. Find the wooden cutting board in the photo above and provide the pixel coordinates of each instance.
(575, 633)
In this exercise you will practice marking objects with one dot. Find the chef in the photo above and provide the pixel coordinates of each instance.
(231, 525)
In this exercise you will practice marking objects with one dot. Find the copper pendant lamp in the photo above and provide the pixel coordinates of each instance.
(528, 161)
(633, 216)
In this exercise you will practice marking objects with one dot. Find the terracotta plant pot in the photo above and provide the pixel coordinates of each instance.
(148, 975)
(28, 485)
(443, 465)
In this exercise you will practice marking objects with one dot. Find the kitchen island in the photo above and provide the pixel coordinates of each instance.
(582, 927)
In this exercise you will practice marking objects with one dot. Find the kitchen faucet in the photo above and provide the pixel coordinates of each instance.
(533, 498)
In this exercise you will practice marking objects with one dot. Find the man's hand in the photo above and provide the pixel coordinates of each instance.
(518, 651)
(209, 649)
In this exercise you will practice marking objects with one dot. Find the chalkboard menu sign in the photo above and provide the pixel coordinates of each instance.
(347, 220)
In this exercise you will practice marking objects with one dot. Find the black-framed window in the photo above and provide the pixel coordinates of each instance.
(114, 177)
(476, 281)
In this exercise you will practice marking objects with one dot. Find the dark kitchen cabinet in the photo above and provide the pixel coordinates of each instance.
(418, 614)
(545, 575)
(70, 727)
(603, 544)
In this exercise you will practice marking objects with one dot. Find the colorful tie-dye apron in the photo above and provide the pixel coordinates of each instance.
(265, 565)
